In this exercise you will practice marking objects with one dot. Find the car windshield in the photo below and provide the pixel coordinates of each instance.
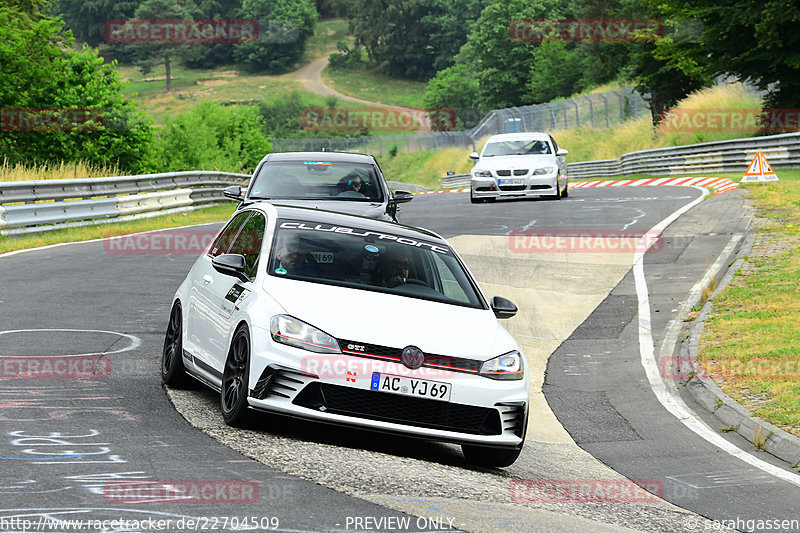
(317, 180)
(371, 260)
(526, 147)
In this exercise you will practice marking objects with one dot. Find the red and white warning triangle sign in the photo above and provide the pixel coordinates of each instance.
(759, 170)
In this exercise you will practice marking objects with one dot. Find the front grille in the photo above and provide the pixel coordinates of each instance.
(386, 407)
(538, 187)
(387, 353)
(520, 171)
(503, 172)
(512, 187)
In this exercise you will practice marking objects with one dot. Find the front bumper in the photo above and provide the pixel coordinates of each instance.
(480, 411)
(487, 187)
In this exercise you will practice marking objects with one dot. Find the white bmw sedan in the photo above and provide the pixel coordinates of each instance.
(519, 165)
(351, 321)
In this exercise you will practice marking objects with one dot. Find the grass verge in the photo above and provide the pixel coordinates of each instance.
(219, 213)
(751, 341)
(425, 168)
(371, 85)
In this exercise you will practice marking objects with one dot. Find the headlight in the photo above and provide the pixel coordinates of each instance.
(482, 173)
(542, 171)
(288, 330)
(506, 366)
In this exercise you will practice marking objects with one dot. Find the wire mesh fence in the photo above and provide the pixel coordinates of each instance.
(599, 110)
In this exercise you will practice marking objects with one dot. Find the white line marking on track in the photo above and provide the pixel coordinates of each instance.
(669, 398)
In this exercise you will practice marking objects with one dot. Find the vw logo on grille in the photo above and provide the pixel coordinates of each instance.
(413, 357)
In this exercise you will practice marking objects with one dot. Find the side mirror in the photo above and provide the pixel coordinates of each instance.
(402, 197)
(234, 192)
(562, 152)
(474, 155)
(230, 265)
(502, 307)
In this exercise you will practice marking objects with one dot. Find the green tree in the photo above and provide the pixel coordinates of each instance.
(214, 54)
(284, 26)
(503, 65)
(59, 104)
(757, 42)
(211, 136)
(147, 55)
(555, 72)
(87, 18)
(412, 38)
(666, 72)
(455, 88)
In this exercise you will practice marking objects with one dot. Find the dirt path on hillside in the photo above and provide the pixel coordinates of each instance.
(310, 77)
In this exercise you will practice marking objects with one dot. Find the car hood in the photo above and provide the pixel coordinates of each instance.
(394, 321)
(516, 161)
(365, 209)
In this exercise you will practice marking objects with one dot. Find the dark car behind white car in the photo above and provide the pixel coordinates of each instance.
(343, 182)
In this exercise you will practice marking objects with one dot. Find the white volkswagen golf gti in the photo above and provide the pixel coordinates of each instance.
(351, 321)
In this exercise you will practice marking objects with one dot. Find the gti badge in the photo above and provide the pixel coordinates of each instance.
(413, 357)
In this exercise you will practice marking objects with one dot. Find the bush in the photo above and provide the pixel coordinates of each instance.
(284, 27)
(455, 88)
(64, 105)
(211, 136)
(346, 57)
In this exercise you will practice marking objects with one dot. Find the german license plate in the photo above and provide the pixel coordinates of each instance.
(512, 181)
(421, 388)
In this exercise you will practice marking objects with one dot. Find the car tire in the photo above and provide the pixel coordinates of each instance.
(557, 195)
(488, 456)
(235, 377)
(565, 192)
(474, 200)
(173, 373)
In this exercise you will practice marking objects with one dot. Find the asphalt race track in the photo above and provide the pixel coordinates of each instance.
(118, 448)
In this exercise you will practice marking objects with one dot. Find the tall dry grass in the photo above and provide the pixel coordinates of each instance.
(719, 102)
(62, 170)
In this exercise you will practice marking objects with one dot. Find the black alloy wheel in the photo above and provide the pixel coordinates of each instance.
(233, 397)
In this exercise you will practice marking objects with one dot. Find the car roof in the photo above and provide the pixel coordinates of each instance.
(322, 216)
(525, 136)
(323, 156)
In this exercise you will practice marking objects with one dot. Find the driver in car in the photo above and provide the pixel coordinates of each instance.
(352, 184)
(393, 269)
(292, 260)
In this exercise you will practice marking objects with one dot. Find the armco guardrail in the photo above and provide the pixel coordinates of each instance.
(782, 151)
(41, 205)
